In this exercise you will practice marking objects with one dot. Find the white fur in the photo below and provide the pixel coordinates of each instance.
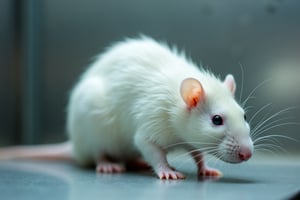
(128, 104)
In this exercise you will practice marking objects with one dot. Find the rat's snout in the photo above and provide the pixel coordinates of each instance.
(236, 149)
(245, 149)
(245, 153)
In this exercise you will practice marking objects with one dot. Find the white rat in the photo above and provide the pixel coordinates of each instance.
(140, 99)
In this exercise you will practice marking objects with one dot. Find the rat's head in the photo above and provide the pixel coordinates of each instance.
(215, 121)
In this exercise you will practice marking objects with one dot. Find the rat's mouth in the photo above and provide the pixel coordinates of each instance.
(235, 154)
(235, 150)
(230, 159)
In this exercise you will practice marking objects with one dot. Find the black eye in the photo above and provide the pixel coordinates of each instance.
(245, 117)
(217, 120)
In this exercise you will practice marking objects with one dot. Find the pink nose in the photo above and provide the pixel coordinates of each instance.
(245, 155)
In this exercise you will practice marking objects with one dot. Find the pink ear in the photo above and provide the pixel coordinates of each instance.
(191, 92)
(229, 82)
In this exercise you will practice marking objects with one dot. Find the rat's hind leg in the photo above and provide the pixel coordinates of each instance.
(107, 166)
(204, 170)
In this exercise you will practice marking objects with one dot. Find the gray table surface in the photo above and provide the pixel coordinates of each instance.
(261, 178)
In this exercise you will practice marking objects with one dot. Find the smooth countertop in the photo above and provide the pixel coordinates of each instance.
(260, 178)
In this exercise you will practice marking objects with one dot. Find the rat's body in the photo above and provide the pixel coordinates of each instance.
(140, 99)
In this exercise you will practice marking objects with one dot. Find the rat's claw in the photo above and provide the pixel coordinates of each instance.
(170, 174)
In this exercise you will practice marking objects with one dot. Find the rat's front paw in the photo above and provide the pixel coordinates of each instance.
(209, 172)
(167, 173)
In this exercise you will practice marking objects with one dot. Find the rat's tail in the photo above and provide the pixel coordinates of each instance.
(62, 151)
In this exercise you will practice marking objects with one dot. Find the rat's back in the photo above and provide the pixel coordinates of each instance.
(131, 83)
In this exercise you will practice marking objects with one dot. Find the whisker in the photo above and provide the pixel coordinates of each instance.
(213, 156)
(270, 124)
(273, 136)
(216, 157)
(259, 111)
(264, 150)
(189, 143)
(211, 151)
(248, 108)
(242, 84)
(208, 150)
(253, 91)
(268, 139)
(256, 131)
(260, 132)
(216, 139)
(272, 117)
(274, 147)
(248, 99)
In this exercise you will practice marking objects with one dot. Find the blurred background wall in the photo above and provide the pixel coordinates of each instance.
(46, 45)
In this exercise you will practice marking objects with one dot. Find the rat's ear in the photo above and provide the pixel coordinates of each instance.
(192, 92)
(229, 82)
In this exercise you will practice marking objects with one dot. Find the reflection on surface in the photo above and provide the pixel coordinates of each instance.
(58, 180)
